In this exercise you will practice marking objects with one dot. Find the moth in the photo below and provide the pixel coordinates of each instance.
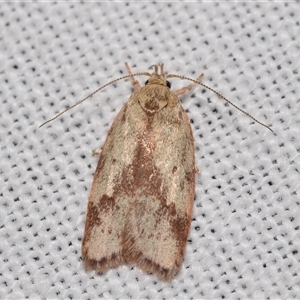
(141, 200)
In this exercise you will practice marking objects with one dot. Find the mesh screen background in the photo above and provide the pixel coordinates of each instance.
(244, 238)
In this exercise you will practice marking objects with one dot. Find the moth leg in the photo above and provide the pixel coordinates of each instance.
(134, 82)
(97, 152)
(187, 88)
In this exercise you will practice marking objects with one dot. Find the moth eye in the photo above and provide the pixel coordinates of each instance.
(168, 84)
(146, 82)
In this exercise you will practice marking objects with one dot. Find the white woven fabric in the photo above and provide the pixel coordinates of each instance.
(244, 240)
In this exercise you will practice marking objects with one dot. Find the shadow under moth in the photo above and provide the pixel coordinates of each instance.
(140, 205)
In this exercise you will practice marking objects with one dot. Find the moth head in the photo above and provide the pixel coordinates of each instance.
(156, 78)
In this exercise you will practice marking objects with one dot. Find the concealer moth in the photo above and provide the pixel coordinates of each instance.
(141, 200)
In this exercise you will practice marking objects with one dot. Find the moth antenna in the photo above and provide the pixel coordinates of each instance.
(221, 96)
(93, 93)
